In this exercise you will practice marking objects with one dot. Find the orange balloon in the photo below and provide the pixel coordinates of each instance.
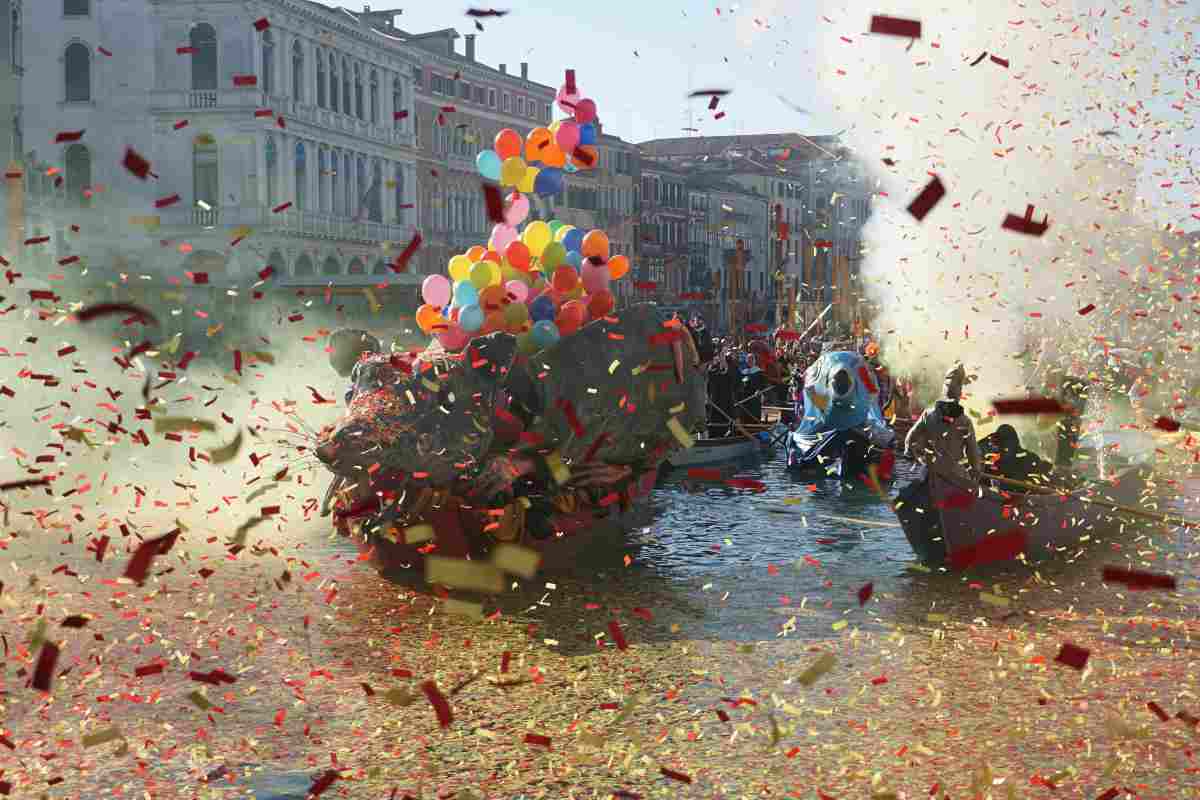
(476, 253)
(508, 144)
(595, 245)
(565, 278)
(427, 317)
(517, 254)
(585, 156)
(535, 144)
(601, 303)
(492, 299)
(493, 256)
(553, 156)
(617, 267)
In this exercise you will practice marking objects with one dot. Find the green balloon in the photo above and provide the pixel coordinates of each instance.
(554, 254)
(554, 225)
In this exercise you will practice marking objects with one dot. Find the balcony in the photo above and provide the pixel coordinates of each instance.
(291, 222)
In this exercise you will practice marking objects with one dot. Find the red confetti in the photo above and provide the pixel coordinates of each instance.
(1073, 656)
(929, 197)
(494, 203)
(105, 51)
(438, 701)
(237, 361)
(746, 483)
(537, 739)
(137, 165)
(399, 114)
(245, 80)
(26, 484)
(215, 677)
(998, 60)
(108, 309)
(704, 474)
(1166, 424)
(1089, 308)
(646, 286)
(864, 594)
(139, 565)
(66, 351)
(269, 511)
(281, 207)
(183, 123)
(44, 670)
(148, 669)
(68, 136)
(1136, 580)
(992, 549)
(618, 635)
(865, 377)
(166, 201)
(321, 784)
(1025, 225)
(1030, 405)
(895, 26)
(261, 24)
(1156, 709)
(185, 51)
(401, 262)
(675, 776)
(62, 262)
(572, 419)
(1111, 794)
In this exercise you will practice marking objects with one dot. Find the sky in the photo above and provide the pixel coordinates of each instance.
(638, 58)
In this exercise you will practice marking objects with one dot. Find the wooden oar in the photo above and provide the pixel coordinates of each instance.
(1137, 512)
(733, 422)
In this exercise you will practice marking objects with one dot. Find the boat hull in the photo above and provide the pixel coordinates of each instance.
(844, 454)
(718, 451)
(947, 525)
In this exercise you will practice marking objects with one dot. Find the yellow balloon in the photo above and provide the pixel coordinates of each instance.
(512, 170)
(562, 232)
(536, 236)
(481, 274)
(495, 274)
(554, 126)
(525, 185)
(460, 268)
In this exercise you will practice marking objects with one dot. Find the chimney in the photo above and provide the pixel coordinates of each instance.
(524, 70)
(470, 46)
(504, 68)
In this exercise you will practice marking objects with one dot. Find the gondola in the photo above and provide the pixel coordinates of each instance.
(956, 526)
(719, 450)
(843, 429)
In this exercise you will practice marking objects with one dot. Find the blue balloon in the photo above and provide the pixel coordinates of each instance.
(541, 309)
(544, 333)
(488, 164)
(570, 168)
(587, 134)
(573, 240)
(548, 182)
(465, 294)
(574, 259)
(471, 318)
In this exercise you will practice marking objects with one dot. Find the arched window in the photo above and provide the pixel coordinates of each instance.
(75, 8)
(15, 44)
(77, 63)
(380, 268)
(348, 171)
(333, 82)
(301, 177)
(347, 109)
(272, 159)
(79, 176)
(204, 57)
(277, 262)
(205, 173)
(297, 72)
(399, 193)
(322, 184)
(304, 265)
(374, 97)
(331, 267)
(358, 92)
(375, 201)
(335, 198)
(363, 189)
(268, 62)
(397, 102)
(320, 79)
(357, 267)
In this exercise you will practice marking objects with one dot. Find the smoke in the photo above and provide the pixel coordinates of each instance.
(1000, 137)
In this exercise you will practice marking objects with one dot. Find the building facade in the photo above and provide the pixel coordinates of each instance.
(663, 217)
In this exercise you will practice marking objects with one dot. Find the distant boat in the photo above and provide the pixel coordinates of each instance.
(843, 428)
(721, 450)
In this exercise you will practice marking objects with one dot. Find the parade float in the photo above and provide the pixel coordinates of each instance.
(843, 429)
(537, 410)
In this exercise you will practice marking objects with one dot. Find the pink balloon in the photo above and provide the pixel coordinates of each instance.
(585, 111)
(454, 338)
(517, 211)
(436, 290)
(567, 136)
(518, 290)
(502, 236)
(566, 102)
(595, 277)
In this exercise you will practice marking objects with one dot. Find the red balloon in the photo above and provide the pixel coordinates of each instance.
(585, 111)
(565, 278)
(601, 303)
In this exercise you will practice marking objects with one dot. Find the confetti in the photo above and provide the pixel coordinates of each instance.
(440, 706)
(895, 26)
(1136, 580)
(43, 673)
(100, 310)
(1025, 225)
(929, 197)
(1072, 656)
(401, 263)
(494, 203)
(68, 136)
(485, 12)
(1030, 405)
(261, 24)
(139, 565)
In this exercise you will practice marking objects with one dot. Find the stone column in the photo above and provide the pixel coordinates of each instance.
(287, 168)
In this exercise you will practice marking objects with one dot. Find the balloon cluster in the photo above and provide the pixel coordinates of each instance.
(539, 282)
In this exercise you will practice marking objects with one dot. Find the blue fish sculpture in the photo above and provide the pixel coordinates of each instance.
(843, 428)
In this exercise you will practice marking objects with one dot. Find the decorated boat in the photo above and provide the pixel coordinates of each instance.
(452, 453)
(960, 527)
(842, 429)
(722, 449)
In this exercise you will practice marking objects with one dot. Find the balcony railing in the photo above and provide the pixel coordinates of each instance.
(291, 221)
